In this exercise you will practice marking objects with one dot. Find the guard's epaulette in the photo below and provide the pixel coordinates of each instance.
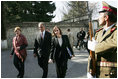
(99, 29)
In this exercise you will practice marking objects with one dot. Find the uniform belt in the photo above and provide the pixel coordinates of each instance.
(107, 64)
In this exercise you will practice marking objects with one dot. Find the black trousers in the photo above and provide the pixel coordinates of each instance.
(43, 63)
(77, 43)
(61, 68)
(19, 65)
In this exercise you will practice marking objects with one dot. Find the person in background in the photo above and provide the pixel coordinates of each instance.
(19, 51)
(71, 38)
(80, 36)
(78, 39)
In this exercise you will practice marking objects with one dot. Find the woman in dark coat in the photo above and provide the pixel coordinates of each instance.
(19, 51)
(59, 53)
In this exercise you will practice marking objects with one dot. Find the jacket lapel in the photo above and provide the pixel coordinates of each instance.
(45, 36)
(62, 41)
(106, 34)
(38, 38)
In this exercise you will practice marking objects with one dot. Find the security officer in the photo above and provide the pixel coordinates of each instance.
(105, 43)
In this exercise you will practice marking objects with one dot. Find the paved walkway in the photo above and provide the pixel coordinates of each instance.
(77, 66)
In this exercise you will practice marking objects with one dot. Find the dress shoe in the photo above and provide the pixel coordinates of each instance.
(21, 76)
(18, 76)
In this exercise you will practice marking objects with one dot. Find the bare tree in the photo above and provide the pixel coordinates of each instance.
(78, 9)
(92, 9)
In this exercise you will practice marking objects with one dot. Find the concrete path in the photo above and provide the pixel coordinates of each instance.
(77, 66)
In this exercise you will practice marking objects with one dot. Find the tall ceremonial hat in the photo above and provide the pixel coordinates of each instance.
(108, 8)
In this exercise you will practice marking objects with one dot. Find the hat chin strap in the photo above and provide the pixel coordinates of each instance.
(109, 9)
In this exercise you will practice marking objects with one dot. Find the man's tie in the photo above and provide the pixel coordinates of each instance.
(104, 32)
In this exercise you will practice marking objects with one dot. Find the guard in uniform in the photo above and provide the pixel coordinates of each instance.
(105, 43)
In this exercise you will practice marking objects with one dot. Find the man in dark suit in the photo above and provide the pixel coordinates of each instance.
(42, 48)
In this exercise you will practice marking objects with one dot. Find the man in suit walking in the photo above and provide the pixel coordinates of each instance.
(42, 48)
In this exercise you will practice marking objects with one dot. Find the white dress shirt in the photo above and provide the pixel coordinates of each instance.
(109, 27)
(60, 41)
(43, 33)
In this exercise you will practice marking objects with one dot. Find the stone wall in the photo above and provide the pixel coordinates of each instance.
(30, 29)
(4, 44)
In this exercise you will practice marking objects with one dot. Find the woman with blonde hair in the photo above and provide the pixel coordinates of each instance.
(19, 51)
(59, 52)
